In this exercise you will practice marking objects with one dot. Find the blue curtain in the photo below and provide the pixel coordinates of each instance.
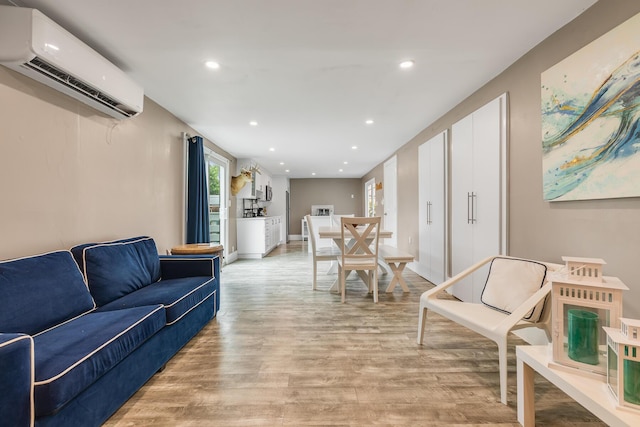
(197, 193)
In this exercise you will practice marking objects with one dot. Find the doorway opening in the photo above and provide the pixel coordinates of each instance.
(217, 181)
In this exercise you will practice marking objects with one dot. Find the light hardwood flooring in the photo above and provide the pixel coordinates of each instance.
(280, 354)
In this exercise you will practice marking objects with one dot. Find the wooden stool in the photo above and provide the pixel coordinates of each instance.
(198, 249)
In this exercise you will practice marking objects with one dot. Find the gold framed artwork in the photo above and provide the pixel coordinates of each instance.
(590, 105)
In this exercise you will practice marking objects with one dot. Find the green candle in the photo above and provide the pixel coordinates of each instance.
(582, 332)
(631, 381)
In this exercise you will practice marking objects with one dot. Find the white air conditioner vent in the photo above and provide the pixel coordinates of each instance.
(68, 80)
(34, 45)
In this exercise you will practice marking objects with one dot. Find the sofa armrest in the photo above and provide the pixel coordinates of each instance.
(16, 379)
(178, 266)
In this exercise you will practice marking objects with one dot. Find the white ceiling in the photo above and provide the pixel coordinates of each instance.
(310, 72)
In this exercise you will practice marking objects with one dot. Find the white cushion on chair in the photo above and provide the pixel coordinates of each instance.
(510, 282)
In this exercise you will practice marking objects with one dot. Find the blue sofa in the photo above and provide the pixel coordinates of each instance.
(82, 330)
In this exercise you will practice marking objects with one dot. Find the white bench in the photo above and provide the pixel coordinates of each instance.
(396, 260)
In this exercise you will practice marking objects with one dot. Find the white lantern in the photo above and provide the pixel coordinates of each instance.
(623, 363)
(583, 302)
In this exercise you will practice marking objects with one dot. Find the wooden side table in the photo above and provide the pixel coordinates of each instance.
(199, 249)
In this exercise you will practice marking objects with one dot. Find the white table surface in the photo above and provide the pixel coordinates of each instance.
(592, 393)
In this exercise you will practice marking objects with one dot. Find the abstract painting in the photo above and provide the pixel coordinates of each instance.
(591, 119)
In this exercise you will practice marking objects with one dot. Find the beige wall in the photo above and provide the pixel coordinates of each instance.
(324, 191)
(72, 175)
(605, 229)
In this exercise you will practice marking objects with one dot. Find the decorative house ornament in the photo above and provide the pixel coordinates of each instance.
(583, 302)
(623, 363)
(588, 268)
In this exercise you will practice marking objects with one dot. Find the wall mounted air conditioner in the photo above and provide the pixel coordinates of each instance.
(34, 45)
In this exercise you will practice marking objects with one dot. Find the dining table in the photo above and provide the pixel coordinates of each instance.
(334, 232)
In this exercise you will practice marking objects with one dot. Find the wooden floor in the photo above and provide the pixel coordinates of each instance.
(280, 354)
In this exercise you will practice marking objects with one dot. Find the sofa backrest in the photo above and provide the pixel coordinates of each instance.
(41, 291)
(114, 269)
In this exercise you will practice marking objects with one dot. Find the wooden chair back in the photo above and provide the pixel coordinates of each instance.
(360, 237)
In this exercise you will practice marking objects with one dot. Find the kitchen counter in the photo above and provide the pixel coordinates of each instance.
(257, 236)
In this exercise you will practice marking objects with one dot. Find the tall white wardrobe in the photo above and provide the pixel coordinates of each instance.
(432, 215)
(478, 193)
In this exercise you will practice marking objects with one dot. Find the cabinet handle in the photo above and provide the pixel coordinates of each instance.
(469, 213)
(428, 213)
(474, 201)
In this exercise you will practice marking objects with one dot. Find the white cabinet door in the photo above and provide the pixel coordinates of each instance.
(461, 198)
(273, 232)
(277, 229)
(268, 234)
(432, 161)
(478, 193)
(251, 237)
(486, 181)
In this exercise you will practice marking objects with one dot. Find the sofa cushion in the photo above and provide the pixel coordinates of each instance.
(178, 296)
(511, 282)
(71, 356)
(115, 269)
(41, 291)
(78, 250)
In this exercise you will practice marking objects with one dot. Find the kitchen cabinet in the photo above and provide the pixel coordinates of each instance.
(272, 232)
(258, 236)
(478, 193)
(432, 210)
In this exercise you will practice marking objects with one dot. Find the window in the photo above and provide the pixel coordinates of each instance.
(370, 197)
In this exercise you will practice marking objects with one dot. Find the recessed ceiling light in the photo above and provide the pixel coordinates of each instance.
(272, 149)
(253, 123)
(313, 173)
(339, 170)
(369, 121)
(287, 170)
(407, 64)
(354, 147)
(346, 163)
(281, 163)
(212, 64)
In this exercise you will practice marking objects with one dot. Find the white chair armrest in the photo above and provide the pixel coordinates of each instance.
(512, 319)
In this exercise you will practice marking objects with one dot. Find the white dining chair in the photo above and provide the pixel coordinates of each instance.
(359, 251)
(319, 254)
